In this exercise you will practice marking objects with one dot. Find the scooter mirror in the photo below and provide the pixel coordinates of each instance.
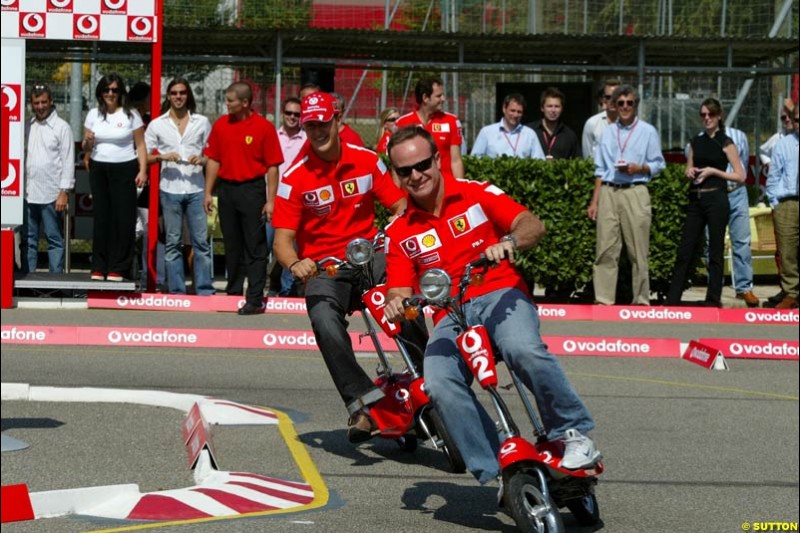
(359, 252)
(435, 284)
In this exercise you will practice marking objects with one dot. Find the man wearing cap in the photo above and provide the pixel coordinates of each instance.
(242, 149)
(325, 200)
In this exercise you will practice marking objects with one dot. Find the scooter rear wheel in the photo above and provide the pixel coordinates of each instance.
(532, 512)
(454, 458)
(585, 510)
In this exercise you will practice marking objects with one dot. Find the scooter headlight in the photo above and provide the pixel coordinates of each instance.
(359, 252)
(435, 284)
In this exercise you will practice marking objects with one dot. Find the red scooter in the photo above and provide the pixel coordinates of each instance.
(405, 413)
(535, 486)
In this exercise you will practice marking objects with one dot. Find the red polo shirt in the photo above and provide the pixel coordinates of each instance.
(330, 204)
(446, 131)
(474, 215)
(245, 149)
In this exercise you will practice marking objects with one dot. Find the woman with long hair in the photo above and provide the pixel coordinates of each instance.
(710, 154)
(388, 117)
(114, 132)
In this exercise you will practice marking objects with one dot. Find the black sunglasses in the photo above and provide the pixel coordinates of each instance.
(114, 90)
(178, 93)
(420, 166)
(704, 115)
(607, 96)
(626, 103)
(294, 114)
(391, 119)
(784, 117)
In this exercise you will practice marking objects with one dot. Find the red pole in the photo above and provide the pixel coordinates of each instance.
(155, 111)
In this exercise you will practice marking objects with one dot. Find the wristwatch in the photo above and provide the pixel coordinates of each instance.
(66, 191)
(509, 238)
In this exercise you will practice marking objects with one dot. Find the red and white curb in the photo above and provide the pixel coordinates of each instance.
(215, 493)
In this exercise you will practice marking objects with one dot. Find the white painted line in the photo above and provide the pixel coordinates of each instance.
(82, 500)
(43, 303)
(14, 391)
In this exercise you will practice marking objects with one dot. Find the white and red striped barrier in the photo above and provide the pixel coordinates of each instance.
(604, 313)
(610, 346)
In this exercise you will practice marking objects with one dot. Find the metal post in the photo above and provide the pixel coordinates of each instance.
(585, 17)
(155, 108)
(76, 99)
(278, 76)
(566, 17)
(621, 14)
(641, 68)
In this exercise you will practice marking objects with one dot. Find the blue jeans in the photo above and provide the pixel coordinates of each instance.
(512, 322)
(287, 280)
(174, 207)
(44, 216)
(739, 229)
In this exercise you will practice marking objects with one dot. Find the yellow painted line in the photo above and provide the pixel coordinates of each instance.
(302, 459)
(688, 385)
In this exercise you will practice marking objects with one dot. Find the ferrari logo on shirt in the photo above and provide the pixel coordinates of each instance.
(440, 127)
(421, 243)
(350, 187)
(467, 221)
(248, 139)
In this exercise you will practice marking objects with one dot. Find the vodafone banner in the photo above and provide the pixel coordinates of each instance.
(82, 20)
(765, 317)
(619, 313)
(755, 349)
(613, 346)
(182, 302)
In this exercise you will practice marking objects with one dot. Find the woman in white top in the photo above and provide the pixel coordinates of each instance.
(179, 135)
(115, 134)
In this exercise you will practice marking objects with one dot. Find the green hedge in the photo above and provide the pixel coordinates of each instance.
(559, 192)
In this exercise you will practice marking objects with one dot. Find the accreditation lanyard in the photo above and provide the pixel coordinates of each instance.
(549, 143)
(628, 138)
(513, 146)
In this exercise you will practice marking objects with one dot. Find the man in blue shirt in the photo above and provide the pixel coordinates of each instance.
(509, 137)
(782, 191)
(628, 156)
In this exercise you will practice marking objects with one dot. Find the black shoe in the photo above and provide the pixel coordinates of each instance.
(361, 427)
(776, 299)
(249, 309)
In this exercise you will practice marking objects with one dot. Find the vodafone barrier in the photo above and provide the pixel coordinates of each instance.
(605, 313)
(304, 340)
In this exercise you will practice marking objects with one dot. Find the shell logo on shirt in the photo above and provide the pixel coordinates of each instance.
(318, 197)
(421, 243)
(248, 139)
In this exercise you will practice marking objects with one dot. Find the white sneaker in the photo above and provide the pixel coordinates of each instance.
(579, 451)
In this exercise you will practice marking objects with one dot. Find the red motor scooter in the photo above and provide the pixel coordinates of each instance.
(405, 413)
(535, 486)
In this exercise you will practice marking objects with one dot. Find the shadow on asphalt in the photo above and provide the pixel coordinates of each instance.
(29, 423)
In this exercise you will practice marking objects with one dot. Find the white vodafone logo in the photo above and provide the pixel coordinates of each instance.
(508, 447)
(471, 341)
(87, 24)
(141, 26)
(378, 298)
(10, 178)
(7, 3)
(33, 22)
(402, 395)
(114, 4)
(60, 4)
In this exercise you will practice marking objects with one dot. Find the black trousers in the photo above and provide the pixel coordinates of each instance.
(329, 300)
(705, 209)
(114, 203)
(240, 206)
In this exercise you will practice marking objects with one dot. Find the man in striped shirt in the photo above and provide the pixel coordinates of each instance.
(49, 178)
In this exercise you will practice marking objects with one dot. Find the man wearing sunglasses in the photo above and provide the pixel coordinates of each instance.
(593, 129)
(448, 224)
(627, 158)
(325, 200)
(782, 190)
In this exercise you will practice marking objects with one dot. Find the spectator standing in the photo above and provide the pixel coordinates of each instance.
(782, 190)
(710, 154)
(308, 88)
(627, 158)
(509, 136)
(179, 135)
(325, 201)
(387, 127)
(787, 128)
(115, 134)
(445, 127)
(557, 139)
(346, 133)
(243, 150)
(50, 178)
(498, 228)
(593, 129)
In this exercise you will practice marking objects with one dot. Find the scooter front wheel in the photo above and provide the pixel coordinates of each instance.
(585, 510)
(531, 510)
(454, 458)
(407, 443)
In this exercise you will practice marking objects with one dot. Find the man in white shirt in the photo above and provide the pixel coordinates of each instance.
(49, 178)
(179, 136)
(593, 129)
(509, 136)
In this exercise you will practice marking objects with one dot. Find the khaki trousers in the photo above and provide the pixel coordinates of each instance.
(622, 214)
(785, 217)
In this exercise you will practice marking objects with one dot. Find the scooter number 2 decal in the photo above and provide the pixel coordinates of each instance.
(476, 350)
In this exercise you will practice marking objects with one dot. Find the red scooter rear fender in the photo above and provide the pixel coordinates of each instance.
(394, 414)
(548, 453)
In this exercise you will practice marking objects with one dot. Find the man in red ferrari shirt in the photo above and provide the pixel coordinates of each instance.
(449, 223)
(325, 200)
(243, 157)
(445, 127)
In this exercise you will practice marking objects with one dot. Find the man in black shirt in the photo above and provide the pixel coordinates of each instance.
(557, 139)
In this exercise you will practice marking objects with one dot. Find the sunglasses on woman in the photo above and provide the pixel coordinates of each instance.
(114, 90)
